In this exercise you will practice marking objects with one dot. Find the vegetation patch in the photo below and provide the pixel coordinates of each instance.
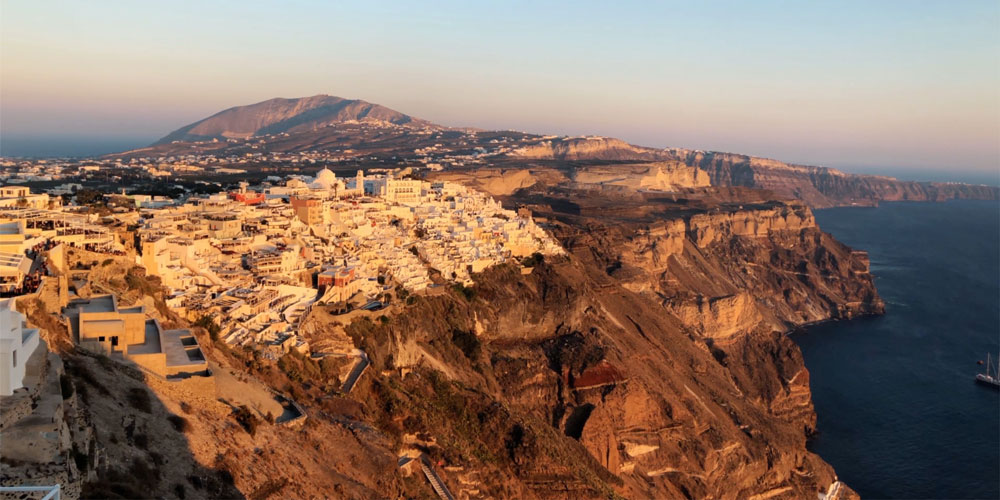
(179, 423)
(138, 398)
(208, 323)
(468, 342)
(246, 419)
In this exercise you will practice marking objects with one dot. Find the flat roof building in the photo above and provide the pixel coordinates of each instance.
(97, 324)
(17, 343)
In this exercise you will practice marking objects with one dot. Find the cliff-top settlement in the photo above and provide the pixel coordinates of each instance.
(255, 259)
(459, 313)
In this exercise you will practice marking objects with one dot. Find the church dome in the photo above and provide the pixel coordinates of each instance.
(325, 179)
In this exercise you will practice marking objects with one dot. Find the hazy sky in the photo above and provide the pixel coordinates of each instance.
(850, 84)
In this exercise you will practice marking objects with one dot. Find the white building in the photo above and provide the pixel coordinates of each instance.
(17, 344)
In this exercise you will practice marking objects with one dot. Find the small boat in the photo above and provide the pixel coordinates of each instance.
(991, 379)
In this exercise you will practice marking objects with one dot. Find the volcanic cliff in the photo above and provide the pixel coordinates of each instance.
(820, 187)
(651, 362)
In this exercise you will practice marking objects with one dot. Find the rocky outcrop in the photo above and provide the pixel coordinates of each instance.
(585, 148)
(502, 182)
(719, 317)
(705, 229)
(819, 187)
(651, 362)
(45, 437)
(659, 176)
(822, 187)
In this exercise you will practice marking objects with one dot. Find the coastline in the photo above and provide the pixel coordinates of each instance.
(919, 355)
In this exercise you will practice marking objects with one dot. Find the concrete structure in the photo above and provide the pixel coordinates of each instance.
(13, 236)
(22, 197)
(17, 343)
(225, 225)
(13, 268)
(32, 225)
(308, 210)
(98, 325)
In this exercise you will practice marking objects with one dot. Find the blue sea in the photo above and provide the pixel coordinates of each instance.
(899, 415)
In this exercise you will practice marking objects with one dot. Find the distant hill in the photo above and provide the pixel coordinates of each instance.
(328, 123)
(279, 115)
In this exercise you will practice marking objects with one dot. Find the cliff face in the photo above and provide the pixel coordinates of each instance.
(667, 176)
(650, 363)
(824, 187)
(585, 148)
(761, 266)
(660, 176)
(819, 187)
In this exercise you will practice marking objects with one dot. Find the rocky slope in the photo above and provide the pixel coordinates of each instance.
(134, 435)
(650, 363)
(277, 116)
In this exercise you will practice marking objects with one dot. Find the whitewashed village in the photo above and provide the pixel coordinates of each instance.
(257, 260)
(248, 265)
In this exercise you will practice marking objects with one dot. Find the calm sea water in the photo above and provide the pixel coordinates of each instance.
(899, 413)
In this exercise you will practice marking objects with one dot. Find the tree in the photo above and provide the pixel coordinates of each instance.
(89, 197)
(208, 323)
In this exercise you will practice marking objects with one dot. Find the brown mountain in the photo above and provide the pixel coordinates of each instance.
(280, 115)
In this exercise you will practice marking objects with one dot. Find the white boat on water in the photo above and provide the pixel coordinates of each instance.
(992, 379)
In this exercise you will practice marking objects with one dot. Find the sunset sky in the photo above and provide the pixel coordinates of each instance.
(910, 88)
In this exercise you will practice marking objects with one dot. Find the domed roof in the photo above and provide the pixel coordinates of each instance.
(325, 179)
(326, 175)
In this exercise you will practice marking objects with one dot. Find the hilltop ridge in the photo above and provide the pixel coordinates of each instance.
(281, 115)
(353, 131)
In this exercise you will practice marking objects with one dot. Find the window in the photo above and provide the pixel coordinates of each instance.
(100, 339)
(114, 341)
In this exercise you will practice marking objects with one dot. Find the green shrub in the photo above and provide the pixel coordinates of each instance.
(467, 292)
(138, 398)
(534, 260)
(180, 423)
(246, 419)
(468, 342)
(208, 323)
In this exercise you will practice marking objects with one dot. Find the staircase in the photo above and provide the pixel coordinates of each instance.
(435, 480)
(359, 368)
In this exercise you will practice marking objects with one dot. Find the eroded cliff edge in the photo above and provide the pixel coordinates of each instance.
(819, 187)
(651, 362)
